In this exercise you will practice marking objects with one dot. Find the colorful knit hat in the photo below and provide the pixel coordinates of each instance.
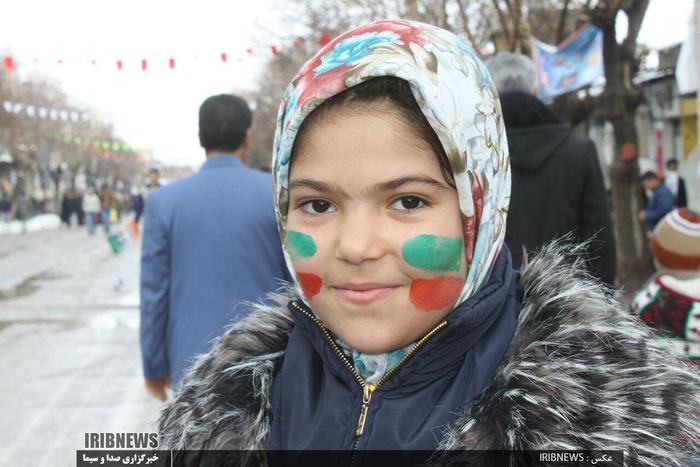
(675, 242)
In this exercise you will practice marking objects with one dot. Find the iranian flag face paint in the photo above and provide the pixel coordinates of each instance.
(433, 253)
(302, 247)
(436, 293)
(436, 255)
(310, 283)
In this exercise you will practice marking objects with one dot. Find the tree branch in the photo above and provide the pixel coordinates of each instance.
(562, 22)
(465, 22)
(502, 18)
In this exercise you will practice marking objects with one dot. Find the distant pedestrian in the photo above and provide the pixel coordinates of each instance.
(676, 183)
(91, 208)
(5, 208)
(670, 301)
(24, 209)
(108, 202)
(137, 204)
(66, 208)
(557, 183)
(660, 201)
(209, 242)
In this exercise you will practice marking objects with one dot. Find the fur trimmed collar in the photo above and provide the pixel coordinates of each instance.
(580, 373)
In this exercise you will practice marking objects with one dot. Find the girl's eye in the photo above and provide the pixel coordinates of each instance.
(408, 203)
(317, 206)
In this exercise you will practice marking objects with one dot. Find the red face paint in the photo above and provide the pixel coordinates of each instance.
(310, 283)
(433, 294)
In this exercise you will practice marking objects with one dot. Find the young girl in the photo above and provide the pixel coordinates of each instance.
(408, 328)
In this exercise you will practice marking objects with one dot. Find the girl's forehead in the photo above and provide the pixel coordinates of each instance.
(363, 147)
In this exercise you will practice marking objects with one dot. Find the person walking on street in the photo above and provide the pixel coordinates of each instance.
(660, 201)
(137, 204)
(557, 184)
(91, 208)
(209, 242)
(107, 202)
(66, 208)
(676, 183)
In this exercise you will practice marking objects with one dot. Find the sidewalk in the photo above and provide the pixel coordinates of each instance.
(69, 332)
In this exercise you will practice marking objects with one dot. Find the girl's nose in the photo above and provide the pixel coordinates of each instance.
(359, 238)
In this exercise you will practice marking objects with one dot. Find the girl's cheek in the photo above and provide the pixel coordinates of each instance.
(302, 248)
(310, 283)
(441, 257)
(435, 294)
(434, 254)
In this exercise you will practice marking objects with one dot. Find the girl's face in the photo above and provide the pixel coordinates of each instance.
(374, 230)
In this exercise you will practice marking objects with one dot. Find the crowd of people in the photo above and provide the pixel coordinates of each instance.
(399, 281)
(105, 206)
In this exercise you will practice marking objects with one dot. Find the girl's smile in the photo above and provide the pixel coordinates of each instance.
(364, 293)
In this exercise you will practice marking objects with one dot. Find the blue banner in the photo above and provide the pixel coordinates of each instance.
(576, 63)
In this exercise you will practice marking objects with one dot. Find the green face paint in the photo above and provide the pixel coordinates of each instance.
(433, 253)
(300, 245)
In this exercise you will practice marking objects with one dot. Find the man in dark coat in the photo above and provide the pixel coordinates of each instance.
(557, 183)
(660, 201)
(676, 183)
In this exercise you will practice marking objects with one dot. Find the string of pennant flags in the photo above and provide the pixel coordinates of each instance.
(10, 62)
(44, 113)
(111, 149)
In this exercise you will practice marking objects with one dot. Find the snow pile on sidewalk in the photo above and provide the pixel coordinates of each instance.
(36, 223)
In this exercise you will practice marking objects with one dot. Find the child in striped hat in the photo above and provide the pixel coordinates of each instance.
(670, 301)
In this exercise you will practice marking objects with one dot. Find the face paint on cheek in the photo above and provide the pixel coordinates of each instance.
(436, 293)
(433, 253)
(310, 283)
(300, 245)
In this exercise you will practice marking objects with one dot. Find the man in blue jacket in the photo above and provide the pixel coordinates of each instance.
(210, 241)
(660, 200)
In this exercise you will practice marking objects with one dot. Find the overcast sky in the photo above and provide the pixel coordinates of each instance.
(158, 108)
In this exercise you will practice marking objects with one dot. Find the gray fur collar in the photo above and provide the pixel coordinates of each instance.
(581, 373)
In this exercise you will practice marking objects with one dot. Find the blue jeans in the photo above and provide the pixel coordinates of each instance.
(105, 219)
(90, 222)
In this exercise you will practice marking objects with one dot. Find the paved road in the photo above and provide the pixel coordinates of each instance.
(69, 354)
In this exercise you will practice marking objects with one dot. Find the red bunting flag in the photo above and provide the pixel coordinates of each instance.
(171, 63)
(249, 50)
(59, 61)
(223, 57)
(273, 49)
(120, 64)
(94, 62)
(325, 38)
(9, 63)
(144, 64)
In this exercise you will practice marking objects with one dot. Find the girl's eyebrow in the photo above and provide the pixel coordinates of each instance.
(392, 185)
(319, 186)
(383, 187)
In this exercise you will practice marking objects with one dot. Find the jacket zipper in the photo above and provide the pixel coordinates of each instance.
(367, 388)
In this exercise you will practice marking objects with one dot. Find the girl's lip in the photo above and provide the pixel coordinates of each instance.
(363, 293)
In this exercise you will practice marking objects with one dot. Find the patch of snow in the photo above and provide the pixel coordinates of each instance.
(36, 223)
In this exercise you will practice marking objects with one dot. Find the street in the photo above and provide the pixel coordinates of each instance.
(69, 340)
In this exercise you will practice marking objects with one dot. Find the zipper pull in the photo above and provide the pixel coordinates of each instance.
(367, 391)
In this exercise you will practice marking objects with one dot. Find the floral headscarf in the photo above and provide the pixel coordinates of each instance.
(455, 92)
